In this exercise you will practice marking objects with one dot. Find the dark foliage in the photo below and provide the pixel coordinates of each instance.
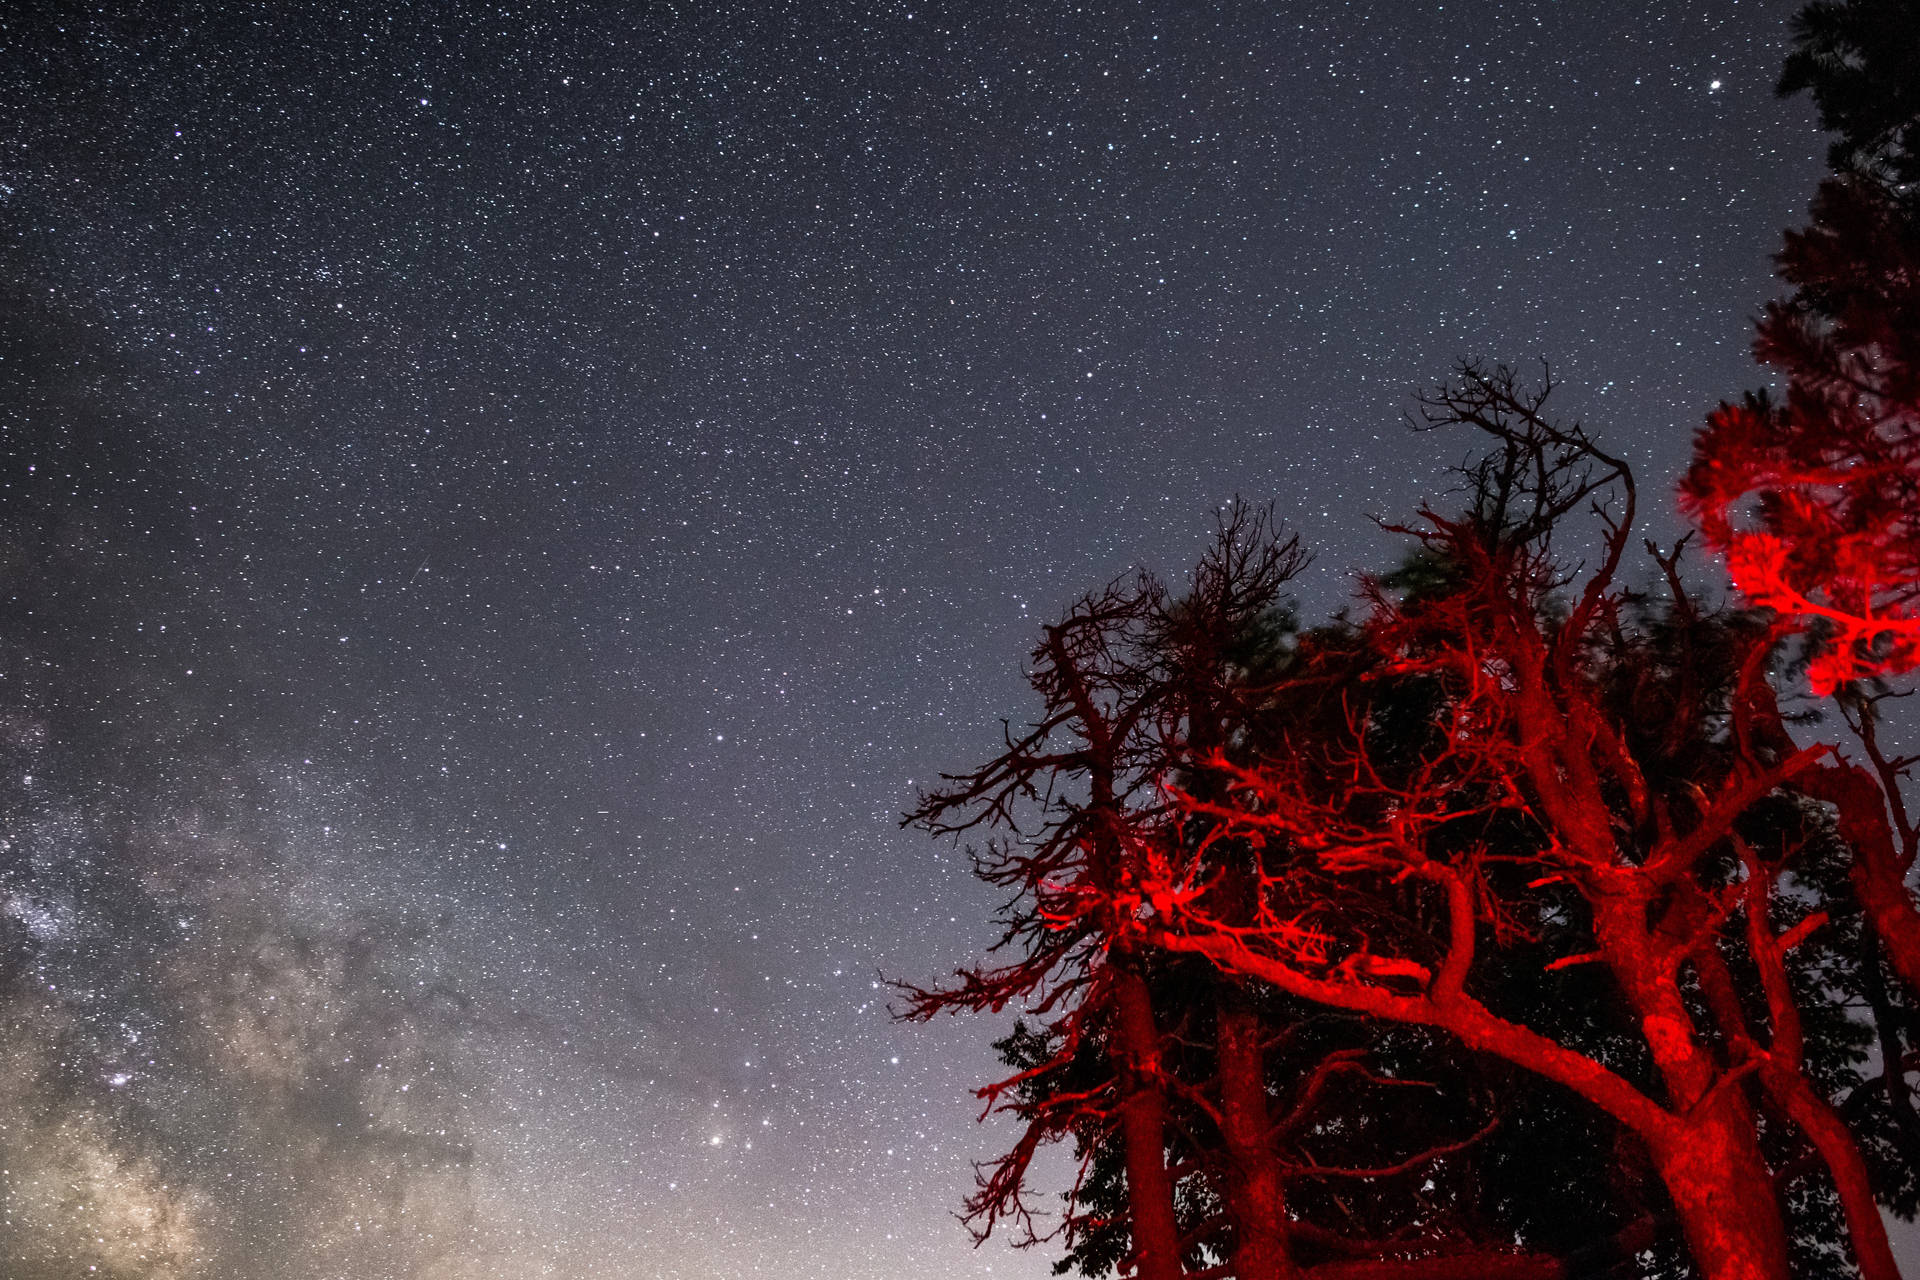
(1860, 59)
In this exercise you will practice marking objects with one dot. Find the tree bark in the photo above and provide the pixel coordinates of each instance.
(1256, 1189)
(1878, 874)
(1708, 1151)
(1723, 1195)
(1831, 1138)
(1463, 1266)
(1889, 908)
(1143, 1131)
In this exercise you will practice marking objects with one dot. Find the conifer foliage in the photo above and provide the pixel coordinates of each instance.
(1814, 495)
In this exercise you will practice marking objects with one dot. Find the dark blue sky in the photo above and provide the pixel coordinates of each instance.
(504, 501)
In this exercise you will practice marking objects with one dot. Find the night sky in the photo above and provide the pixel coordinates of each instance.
(501, 506)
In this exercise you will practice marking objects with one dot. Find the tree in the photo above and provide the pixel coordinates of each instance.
(1858, 59)
(1526, 841)
(1814, 496)
(1078, 782)
(1210, 1126)
(1651, 855)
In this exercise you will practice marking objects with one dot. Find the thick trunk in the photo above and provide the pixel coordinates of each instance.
(1723, 1195)
(1256, 1191)
(1708, 1154)
(1722, 1192)
(1464, 1266)
(1780, 1072)
(1143, 1132)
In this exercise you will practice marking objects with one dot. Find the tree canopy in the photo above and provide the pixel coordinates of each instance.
(1516, 922)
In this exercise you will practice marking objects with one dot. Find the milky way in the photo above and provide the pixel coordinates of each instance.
(504, 503)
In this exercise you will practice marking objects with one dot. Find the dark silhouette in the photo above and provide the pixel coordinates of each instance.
(1860, 59)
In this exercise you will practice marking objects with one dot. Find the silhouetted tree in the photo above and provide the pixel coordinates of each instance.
(1860, 59)
(1074, 791)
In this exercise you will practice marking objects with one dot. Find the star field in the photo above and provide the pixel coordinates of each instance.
(503, 504)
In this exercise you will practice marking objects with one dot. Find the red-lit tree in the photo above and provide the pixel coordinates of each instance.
(1215, 651)
(1539, 840)
(1074, 793)
(1813, 496)
(1200, 1103)
(1527, 795)
(1306, 1134)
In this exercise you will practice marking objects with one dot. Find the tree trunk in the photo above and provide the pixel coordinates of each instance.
(1708, 1153)
(1889, 908)
(1256, 1190)
(1464, 1266)
(1781, 1072)
(1878, 873)
(1872, 1252)
(1723, 1194)
(1143, 1131)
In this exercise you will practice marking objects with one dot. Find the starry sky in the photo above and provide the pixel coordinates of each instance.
(502, 504)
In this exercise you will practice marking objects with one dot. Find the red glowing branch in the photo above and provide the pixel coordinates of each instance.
(1814, 499)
